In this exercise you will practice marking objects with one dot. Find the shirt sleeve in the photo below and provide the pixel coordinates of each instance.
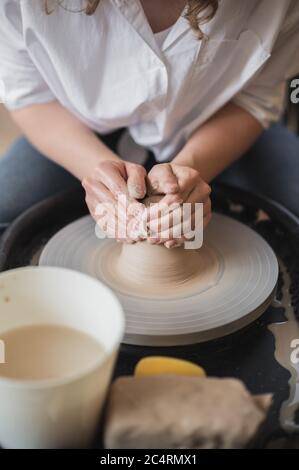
(21, 84)
(265, 96)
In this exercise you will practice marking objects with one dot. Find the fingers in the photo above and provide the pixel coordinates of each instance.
(122, 178)
(162, 180)
(159, 213)
(101, 204)
(171, 210)
(102, 222)
(187, 179)
(170, 244)
(110, 224)
(111, 193)
(174, 219)
(122, 222)
(101, 198)
(200, 193)
(168, 223)
(192, 187)
(136, 176)
(100, 192)
(113, 176)
(179, 225)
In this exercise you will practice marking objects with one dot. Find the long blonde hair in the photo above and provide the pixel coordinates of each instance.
(197, 13)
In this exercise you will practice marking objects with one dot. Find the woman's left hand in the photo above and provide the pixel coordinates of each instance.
(179, 185)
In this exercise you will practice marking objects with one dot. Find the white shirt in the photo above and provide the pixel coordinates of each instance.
(161, 36)
(109, 70)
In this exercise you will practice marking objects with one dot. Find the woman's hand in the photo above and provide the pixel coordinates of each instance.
(179, 184)
(110, 180)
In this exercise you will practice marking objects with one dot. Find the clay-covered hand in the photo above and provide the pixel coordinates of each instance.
(179, 185)
(112, 195)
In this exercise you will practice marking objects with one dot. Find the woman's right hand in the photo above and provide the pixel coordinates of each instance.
(111, 179)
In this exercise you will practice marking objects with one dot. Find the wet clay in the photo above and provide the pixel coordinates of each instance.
(147, 270)
(153, 270)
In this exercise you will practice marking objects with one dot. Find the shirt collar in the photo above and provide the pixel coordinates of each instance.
(133, 12)
(179, 28)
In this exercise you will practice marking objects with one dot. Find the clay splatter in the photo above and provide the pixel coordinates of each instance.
(285, 334)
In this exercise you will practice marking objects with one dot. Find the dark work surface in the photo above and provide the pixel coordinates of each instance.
(248, 354)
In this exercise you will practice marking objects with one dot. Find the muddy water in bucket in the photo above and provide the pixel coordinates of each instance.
(48, 352)
(285, 333)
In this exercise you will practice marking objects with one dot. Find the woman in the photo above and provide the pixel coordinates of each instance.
(195, 82)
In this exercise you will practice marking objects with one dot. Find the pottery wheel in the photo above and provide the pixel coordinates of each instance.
(231, 283)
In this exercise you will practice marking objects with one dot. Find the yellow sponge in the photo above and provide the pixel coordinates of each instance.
(159, 365)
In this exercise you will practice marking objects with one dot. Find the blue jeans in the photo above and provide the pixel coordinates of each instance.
(270, 168)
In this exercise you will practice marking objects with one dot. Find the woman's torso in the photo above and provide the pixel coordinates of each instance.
(110, 70)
